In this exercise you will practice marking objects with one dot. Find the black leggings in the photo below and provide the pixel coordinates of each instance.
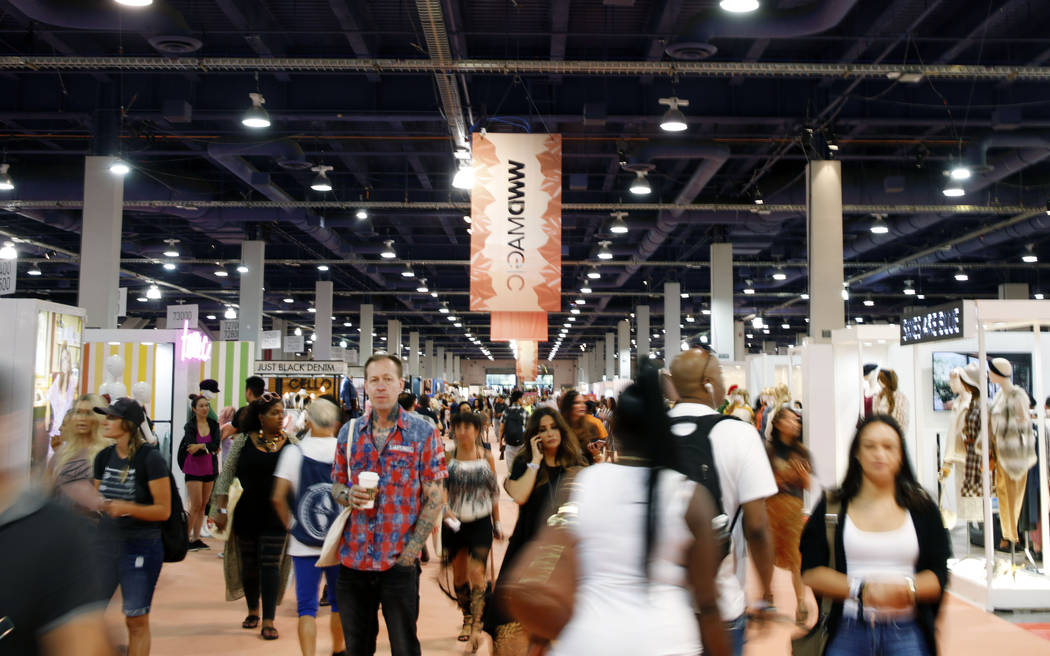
(261, 563)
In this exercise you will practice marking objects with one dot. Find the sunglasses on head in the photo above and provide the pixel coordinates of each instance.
(269, 397)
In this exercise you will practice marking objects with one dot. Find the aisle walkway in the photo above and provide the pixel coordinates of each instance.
(190, 618)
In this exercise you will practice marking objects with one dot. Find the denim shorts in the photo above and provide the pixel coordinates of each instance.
(308, 582)
(134, 564)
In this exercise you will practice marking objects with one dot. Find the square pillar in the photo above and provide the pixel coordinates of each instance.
(429, 370)
(641, 314)
(610, 356)
(323, 320)
(251, 293)
(623, 341)
(722, 334)
(439, 364)
(672, 321)
(413, 354)
(366, 320)
(824, 233)
(100, 237)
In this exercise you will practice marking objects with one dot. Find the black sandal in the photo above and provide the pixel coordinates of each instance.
(270, 633)
(250, 622)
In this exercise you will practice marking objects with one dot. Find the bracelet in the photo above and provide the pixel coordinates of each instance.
(535, 466)
(223, 511)
(911, 588)
(855, 588)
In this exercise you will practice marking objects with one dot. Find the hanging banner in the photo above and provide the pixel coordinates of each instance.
(515, 205)
(528, 360)
(230, 330)
(507, 326)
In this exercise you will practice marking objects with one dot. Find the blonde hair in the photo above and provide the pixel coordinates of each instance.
(782, 394)
(93, 442)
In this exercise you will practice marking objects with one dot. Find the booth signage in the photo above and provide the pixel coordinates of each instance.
(932, 324)
(8, 276)
(299, 368)
(293, 344)
(229, 330)
(177, 314)
(270, 339)
(195, 344)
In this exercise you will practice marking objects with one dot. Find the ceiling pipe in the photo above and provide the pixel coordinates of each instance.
(766, 23)
(165, 28)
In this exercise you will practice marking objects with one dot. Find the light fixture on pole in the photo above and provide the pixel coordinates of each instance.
(321, 181)
(388, 252)
(879, 226)
(408, 272)
(604, 253)
(619, 226)
(961, 276)
(6, 183)
(739, 6)
(464, 177)
(1029, 256)
(673, 120)
(640, 185)
(153, 292)
(256, 117)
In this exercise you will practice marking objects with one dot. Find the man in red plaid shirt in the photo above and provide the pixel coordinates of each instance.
(380, 548)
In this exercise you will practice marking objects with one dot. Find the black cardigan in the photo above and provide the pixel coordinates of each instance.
(190, 437)
(934, 551)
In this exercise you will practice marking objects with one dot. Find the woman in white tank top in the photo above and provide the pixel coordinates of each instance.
(891, 552)
(645, 554)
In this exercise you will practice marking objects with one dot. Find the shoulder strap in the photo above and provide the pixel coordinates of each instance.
(833, 509)
(702, 468)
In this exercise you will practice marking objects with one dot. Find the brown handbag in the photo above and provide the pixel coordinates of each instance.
(541, 589)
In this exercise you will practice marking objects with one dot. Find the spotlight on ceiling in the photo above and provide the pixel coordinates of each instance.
(749, 289)
(909, 289)
(256, 117)
(619, 226)
(35, 271)
(6, 183)
(220, 271)
(673, 120)
(119, 167)
(586, 289)
(640, 185)
(779, 274)
(444, 308)
(171, 250)
(321, 181)
(388, 252)
(739, 6)
(604, 253)
(288, 299)
(230, 313)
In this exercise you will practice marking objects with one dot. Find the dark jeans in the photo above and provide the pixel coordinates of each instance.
(361, 594)
(855, 638)
(261, 568)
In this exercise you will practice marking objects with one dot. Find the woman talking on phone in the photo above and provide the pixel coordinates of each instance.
(535, 476)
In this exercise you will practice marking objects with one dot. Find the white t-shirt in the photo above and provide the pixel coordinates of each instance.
(288, 467)
(744, 475)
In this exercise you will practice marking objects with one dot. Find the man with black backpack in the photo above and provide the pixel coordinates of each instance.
(727, 457)
(512, 430)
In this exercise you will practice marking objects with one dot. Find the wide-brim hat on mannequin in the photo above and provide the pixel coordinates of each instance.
(971, 374)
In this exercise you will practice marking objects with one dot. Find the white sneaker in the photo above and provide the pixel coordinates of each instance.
(205, 533)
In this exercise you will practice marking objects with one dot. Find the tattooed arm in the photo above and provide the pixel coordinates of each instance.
(432, 498)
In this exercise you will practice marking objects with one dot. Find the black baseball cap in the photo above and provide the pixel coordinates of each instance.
(128, 409)
(210, 385)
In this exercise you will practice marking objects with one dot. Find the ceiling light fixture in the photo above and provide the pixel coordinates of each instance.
(171, 250)
(593, 273)
(953, 190)
(288, 299)
(879, 227)
(6, 183)
(119, 167)
(749, 289)
(220, 270)
(464, 177)
(804, 296)
(322, 267)
(779, 274)
(135, 3)
(408, 272)
(348, 324)
(909, 290)
(242, 268)
(361, 214)
(960, 172)
(422, 287)
(640, 184)
(210, 317)
(1029, 256)
(961, 276)
(619, 225)
(35, 271)
(739, 6)
(298, 331)
(689, 318)
(758, 197)
(444, 308)
(321, 181)
(169, 266)
(8, 251)
(256, 117)
(673, 120)
(1038, 296)
(153, 292)
(869, 303)
(785, 326)
(575, 311)
(604, 253)
(388, 250)
(586, 289)
(311, 310)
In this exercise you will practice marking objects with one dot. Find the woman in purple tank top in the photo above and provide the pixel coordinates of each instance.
(200, 443)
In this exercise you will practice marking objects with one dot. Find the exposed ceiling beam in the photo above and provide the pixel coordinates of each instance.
(352, 22)
(247, 15)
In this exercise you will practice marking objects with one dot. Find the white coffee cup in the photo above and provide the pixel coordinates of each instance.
(369, 481)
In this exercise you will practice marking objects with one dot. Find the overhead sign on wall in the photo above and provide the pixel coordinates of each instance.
(293, 344)
(177, 314)
(229, 330)
(299, 368)
(270, 339)
(515, 246)
(933, 324)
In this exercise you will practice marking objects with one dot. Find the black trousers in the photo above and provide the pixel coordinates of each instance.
(361, 595)
(261, 569)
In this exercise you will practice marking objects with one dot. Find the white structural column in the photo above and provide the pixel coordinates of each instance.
(450, 366)
(1013, 291)
(429, 370)
(672, 321)
(365, 322)
(323, 320)
(581, 369)
(739, 345)
(722, 334)
(439, 364)
(610, 356)
(253, 256)
(623, 342)
(413, 354)
(100, 243)
(598, 360)
(393, 337)
(457, 372)
(641, 314)
(827, 310)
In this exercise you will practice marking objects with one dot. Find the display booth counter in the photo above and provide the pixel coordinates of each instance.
(936, 340)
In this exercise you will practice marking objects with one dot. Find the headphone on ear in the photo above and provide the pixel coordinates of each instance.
(710, 388)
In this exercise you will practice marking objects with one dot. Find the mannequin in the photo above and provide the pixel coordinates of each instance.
(143, 393)
(890, 400)
(871, 388)
(1009, 424)
(956, 449)
(971, 490)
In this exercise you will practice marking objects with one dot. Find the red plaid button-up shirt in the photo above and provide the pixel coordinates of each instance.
(413, 455)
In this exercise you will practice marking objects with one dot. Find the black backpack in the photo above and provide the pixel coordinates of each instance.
(514, 425)
(175, 530)
(697, 461)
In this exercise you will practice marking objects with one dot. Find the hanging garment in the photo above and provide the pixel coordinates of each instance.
(971, 505)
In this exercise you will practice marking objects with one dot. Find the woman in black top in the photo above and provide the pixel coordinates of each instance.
(533, 483)
(891, 540)
(253, 560)
(200, 442)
